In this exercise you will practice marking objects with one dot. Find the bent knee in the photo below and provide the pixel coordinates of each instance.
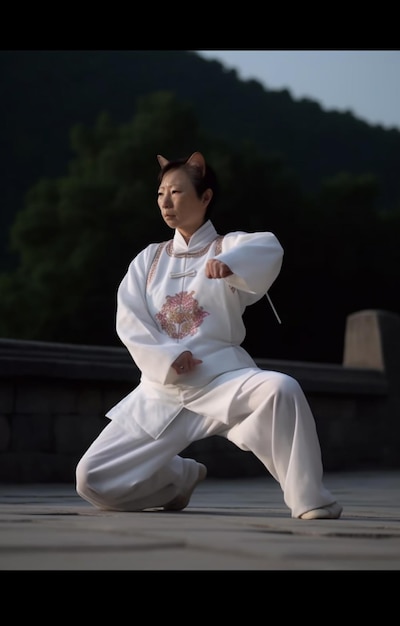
(82, 474)
(288, 385)
(96, 487)
(86, 484)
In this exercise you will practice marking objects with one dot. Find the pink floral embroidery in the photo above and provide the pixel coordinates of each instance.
(181, 315)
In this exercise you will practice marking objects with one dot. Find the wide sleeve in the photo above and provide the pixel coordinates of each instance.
(152, 351)
(255, 260)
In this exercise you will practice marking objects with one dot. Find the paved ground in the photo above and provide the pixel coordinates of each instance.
(228, 525)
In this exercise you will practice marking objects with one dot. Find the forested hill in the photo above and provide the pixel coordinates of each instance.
(80, 213)
(45, 93)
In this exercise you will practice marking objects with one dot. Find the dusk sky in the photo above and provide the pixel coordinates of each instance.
(364, 82)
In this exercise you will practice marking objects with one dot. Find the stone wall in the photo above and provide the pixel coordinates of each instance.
(53, 400)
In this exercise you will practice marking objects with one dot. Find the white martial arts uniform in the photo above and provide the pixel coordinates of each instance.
(167, 305)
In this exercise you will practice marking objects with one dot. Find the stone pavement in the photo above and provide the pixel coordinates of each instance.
(235, 524)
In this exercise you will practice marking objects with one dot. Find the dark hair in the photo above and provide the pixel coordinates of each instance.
(199, 182)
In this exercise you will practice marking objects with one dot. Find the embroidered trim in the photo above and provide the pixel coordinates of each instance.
(218, 244)
(154, 262)
(170, 251)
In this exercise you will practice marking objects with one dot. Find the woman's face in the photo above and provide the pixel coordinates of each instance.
(180, 206)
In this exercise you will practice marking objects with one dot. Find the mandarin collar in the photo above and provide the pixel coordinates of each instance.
(203, 235)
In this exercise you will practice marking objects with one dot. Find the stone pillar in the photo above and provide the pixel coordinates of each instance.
(372, 341)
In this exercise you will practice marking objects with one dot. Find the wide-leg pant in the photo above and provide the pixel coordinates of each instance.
(128, 470)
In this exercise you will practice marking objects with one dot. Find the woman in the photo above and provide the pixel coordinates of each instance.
(179, 313)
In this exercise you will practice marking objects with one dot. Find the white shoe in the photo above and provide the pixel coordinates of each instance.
(182, 500)
(332, 511)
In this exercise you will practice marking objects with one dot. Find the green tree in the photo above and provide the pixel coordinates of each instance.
(76, 234)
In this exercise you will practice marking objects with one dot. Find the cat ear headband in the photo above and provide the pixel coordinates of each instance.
(196, 160)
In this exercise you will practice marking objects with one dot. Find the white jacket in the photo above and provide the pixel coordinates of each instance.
(166, 305)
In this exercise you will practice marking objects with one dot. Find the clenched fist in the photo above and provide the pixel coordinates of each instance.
(217, 269)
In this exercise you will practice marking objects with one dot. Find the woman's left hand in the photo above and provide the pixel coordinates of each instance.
(185, 363)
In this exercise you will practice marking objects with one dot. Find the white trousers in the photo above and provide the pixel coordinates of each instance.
(128, 470)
